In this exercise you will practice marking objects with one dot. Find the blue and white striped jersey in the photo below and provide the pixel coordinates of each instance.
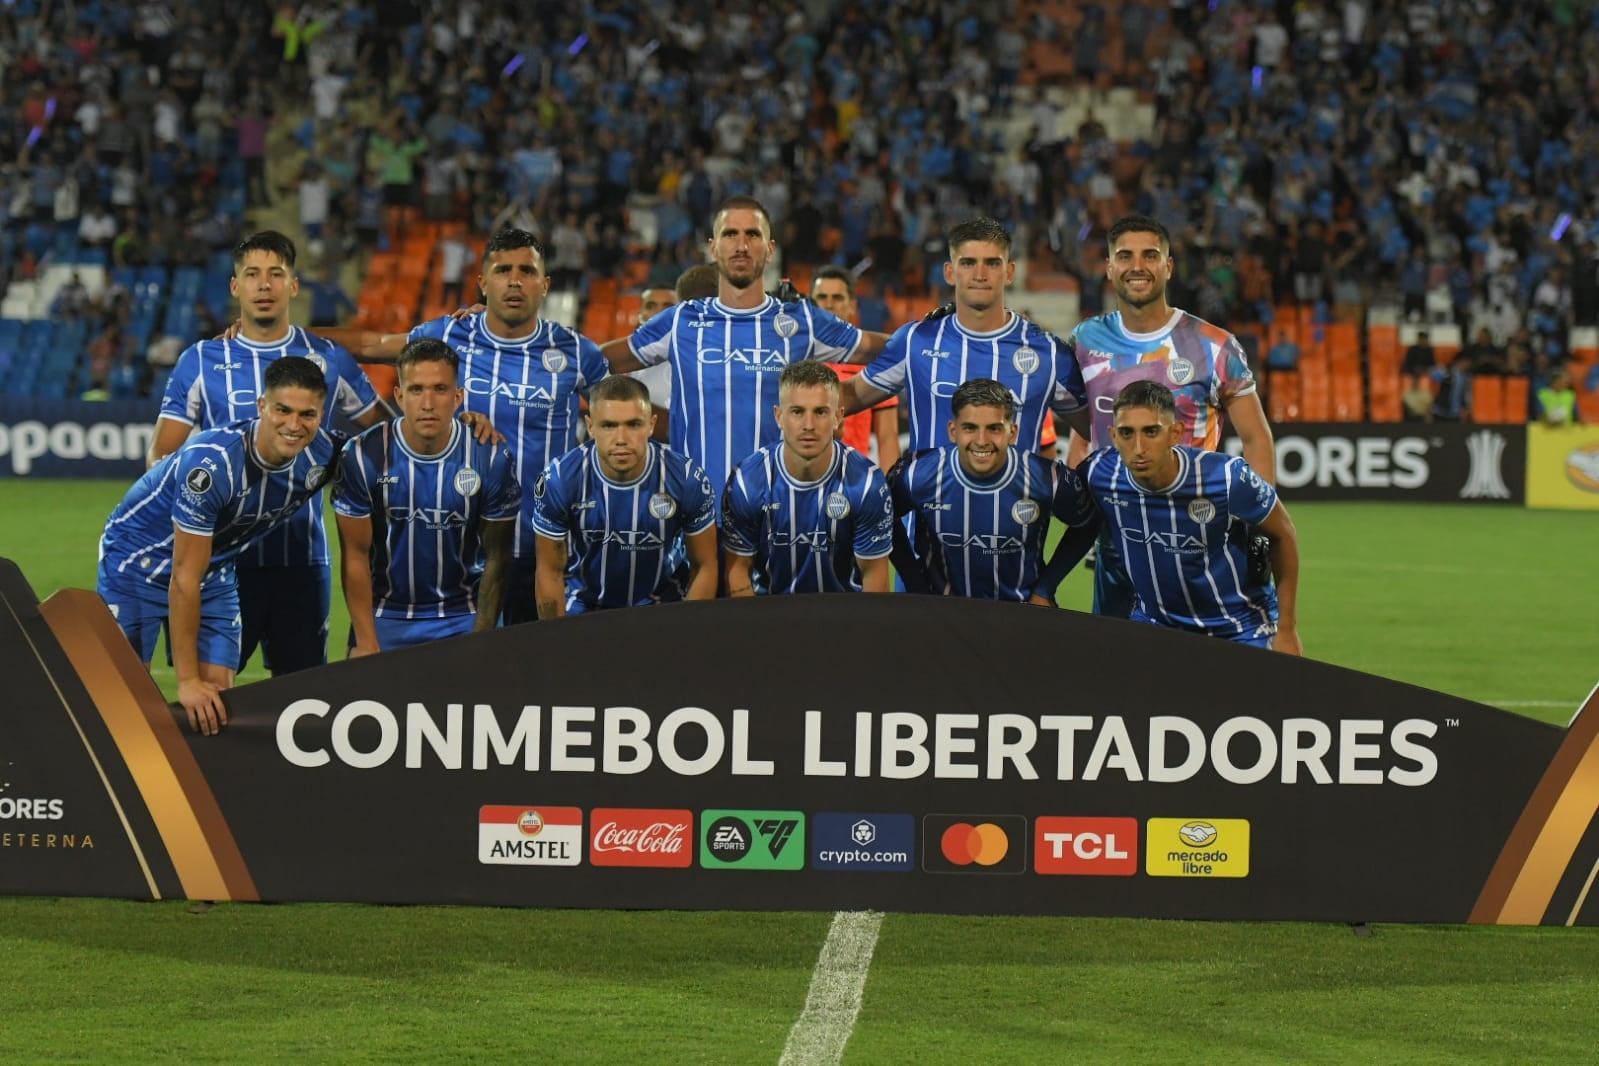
(528, 388)
(985, 538)
(725, 366)
(1186, 547)
(624, 539)
(806, 535)
(216, 383)
(427, 514)
(930, 360)
(217, 486)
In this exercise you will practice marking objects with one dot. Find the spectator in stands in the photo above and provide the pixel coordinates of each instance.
(1284, 353)
(329, 302)
(1557, 401)
(1452, 400)
(1420, 358)
(1483, 355)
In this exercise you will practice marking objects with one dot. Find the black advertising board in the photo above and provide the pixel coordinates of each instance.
(889, 752)
(1440, 462)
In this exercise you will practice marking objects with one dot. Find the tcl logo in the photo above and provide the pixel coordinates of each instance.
(628, 836)
(1093, 846)
(1348, 462)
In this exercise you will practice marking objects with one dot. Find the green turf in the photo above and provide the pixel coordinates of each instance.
(1494, 604)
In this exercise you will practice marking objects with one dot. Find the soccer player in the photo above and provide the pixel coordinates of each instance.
(524, 373)
(1149, 340)
(726, 353)
(695, 283)
(285, 579)
(807, 514)
(622, 521)
(930, 358)
(1183, 517)
(167, 551)
(426, 515)
(833, 289)
(982, 508)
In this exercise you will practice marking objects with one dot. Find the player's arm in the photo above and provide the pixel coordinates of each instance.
(498, 535)
(619, 354)
(870, 347)
(168, 437)
(549, 577)
(202, 699)
(1260, 448)
(874, 532)
(874, 574)
(367, 345)
(858, 394)
(740, 574)
(1073, 504)
(1285, 566)
(702, 566)
(355, 577)
(1076, 449)
(662, 428)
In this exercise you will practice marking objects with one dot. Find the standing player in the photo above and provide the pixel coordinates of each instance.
(695, 283)
(833, 289)
(807, 514)
(622, 521)
(1149, 340)
(524, 373)
(726, 353)
(1183, 517)
(167, 551)
(426, 515)
(982, 508)
(929, 359)
(285, 578)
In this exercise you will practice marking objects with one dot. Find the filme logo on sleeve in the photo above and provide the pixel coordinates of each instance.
(863, 842)
(974, 844)
(752, 840)
(1196, 847)
(529, 836)
(1092, 846)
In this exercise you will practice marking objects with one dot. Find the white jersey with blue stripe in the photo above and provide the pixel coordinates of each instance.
(1186, 546)
(725, 366)
(806, 536)
(217, 382)
(984, 538)
(427, 514)
(528, 387)
(215, 486)
(625, 540)
(929, 360)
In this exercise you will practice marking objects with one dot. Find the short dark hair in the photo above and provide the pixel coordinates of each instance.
(698, 283)
(1138, 224)
(268, 240)
(1150, 394)
(619, 387)
(835, 273)
(427, 350)
(983, 392)
(294, 372)
(740, 203)
(508, 240)
(807, 372)
(978, 229)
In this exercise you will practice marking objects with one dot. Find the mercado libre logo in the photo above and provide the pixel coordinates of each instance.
(974, 843)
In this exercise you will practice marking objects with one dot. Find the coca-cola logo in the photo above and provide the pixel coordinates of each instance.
(626, 836)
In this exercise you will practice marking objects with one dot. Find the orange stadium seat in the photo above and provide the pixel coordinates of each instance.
(1488, 399)
(1282, 396)
(1348, 401)
(1517, 399)
(1315, 393)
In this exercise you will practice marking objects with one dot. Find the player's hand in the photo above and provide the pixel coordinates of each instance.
(361, 651)
(233, 330)
(483, 430)
(941, 311)
(463, 312)
(1287, 641)
(203, 702)
(1038, 599)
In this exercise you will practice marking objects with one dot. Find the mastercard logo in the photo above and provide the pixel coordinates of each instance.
(985, 844)
(1582, 468)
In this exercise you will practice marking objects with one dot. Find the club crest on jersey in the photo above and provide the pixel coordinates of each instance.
(837, 506)
(1201, 510)
(1025, 360)
(1180, 370)
(785, 324)
(467, 481)
(198, 481)
(662, 506)
(1025, 511)
(554, 360)
(316, 478)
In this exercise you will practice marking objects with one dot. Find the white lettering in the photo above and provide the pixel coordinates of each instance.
(666, 741)
(946, 745)
(388, 734)
(743, 765)
(815, 765)
(1221, 753)
(1351, 752)
(563, 737)
(1001, 750)
(420, 728)
(634, 740)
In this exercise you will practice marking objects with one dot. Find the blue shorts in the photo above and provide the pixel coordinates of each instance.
(285, 613)
(407, 632)
(141, 610)
(1113, 589)
(1253, 639)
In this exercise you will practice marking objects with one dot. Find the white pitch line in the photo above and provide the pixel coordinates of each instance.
(1527, 703)
(834, 999)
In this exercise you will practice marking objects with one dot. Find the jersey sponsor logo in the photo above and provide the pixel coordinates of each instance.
(785, 324)
(1182, 543)
(934, 353)
(1025, 511)
(837, 506)
(388, 479)
(987, 543)
(198, 481)
(662, 506)
(815, 540)
(1180, 370)
(626, 539)
(699, 323)
(430, 518)
(554, 360)
(467, 481)
(517, 394)
(227, 366)
(242, 398)
(1025, 360)
(1201, 510)
(749, 358)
